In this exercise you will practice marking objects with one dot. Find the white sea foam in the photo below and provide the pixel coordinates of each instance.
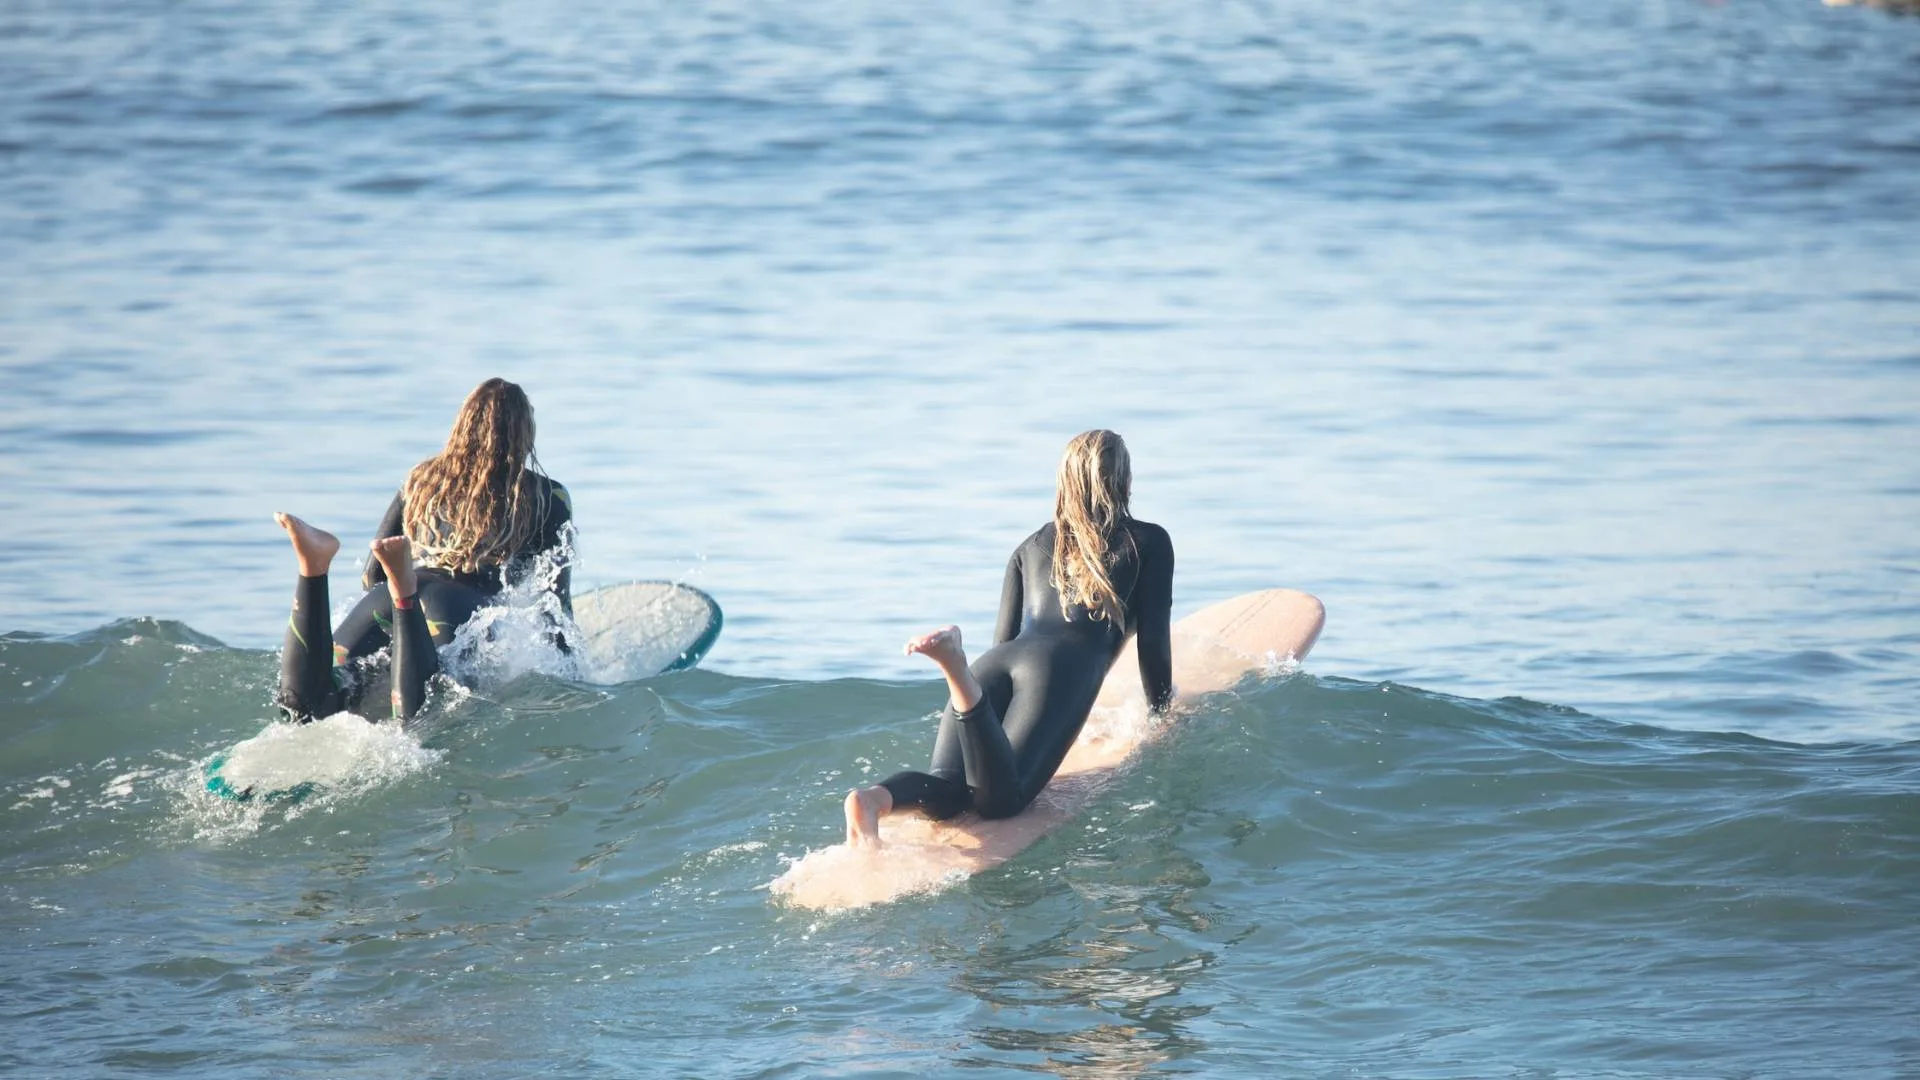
(340, 753)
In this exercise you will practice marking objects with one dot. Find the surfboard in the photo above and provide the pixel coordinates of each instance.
(626, 632)
(1214, 649)
(240, 788)
(643, 628)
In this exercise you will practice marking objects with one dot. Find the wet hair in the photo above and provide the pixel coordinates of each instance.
(474, 505)
(1089, 516)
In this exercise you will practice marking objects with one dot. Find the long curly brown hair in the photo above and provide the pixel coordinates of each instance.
(1089, 514)
(475, 505)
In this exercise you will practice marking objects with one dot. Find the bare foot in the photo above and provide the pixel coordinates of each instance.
(396, 558)
(864, 807)
(314, 547)
(942, 647)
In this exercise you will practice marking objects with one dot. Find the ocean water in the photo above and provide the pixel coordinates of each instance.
(1567, 351)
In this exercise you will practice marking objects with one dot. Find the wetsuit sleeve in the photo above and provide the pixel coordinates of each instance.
(1153, 612)
(559, 542)
(392, 523)
(1012, 600)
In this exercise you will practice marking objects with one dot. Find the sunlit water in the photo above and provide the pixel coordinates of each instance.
(1567, 351)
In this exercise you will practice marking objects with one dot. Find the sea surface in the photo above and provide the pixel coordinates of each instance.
(1569, 351)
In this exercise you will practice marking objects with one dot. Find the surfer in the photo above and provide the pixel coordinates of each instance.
(1074, 592)
(478, 516)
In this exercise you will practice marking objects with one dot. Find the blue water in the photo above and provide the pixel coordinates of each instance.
(1567, 351)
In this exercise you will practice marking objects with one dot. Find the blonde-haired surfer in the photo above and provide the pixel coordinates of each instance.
(1075, 591)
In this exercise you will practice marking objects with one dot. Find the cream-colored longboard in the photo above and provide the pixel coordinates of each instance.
(1213, 649)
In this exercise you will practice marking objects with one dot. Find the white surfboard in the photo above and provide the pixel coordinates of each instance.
(642, 629)
(1213, 650)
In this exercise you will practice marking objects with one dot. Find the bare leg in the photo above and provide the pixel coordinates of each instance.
(943, 648)
(314, 547)
(864, 807)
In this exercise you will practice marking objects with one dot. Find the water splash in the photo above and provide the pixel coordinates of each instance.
(520, 633)
(342, 754)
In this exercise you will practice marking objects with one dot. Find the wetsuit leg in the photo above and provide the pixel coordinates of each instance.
(366, 629)
(1005, 749)
(988, 781)
(440, 606)
(415, 658)
(981, 762)
(307, 686)
(448, 604)
(992, 764)
(369, 626)
(941, 791)
(939, 797)
(1056, 683)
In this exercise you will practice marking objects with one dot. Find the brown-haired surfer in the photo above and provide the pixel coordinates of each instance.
(469, 521)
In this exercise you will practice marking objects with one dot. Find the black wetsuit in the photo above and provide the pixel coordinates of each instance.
(321, 670)
(1041, 678)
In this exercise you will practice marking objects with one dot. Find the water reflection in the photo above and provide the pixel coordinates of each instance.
(1118, 993)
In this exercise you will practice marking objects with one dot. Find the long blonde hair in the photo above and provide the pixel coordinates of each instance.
(473, 505)
(1089, 514)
